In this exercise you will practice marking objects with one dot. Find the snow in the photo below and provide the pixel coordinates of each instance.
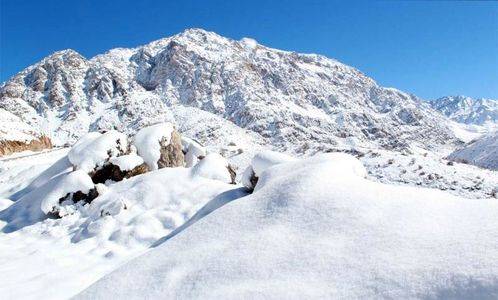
(213, 166)
(94, 149)
(192, 150)
(127, 162)
(147, 141)
(260, 162)
(483, 152)
(266, 159)
(34, 206)
(92, 239)
(12, 128)
(315, 228)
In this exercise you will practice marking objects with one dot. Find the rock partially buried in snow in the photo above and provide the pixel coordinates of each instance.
(94, 149)
(160, 146)
(260, 163)
(215, 166)
(119, 168)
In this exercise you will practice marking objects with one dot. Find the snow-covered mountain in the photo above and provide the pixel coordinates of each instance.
(468, 110)
(289, 100)
(482, 152)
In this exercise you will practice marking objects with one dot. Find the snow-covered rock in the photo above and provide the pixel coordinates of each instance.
(160, 146)
(316, 228)
(214, 166)
(193, 151)
(482, 152)
(95, 149)
(259, 163)
(35, 205)
(127, 162)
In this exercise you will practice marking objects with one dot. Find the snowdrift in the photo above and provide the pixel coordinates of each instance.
(316, 228)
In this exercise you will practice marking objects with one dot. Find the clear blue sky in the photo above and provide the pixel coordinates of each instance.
(427, 48)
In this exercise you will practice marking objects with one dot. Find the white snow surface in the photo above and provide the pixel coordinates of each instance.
(192, 150)
(94, 149)
(482, 152)
(49, 258)
(213, 166)
(12, 128)
(127, 162)
(260, 162)
(147, 141)
(315, 228)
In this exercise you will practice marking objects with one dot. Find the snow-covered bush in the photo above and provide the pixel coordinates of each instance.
(94, 149)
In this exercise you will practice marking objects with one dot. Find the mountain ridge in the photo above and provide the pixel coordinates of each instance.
(295, 101)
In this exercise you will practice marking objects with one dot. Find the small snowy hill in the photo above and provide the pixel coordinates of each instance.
(294, 101)
(482, 152)
(316, 228)
(468, 110)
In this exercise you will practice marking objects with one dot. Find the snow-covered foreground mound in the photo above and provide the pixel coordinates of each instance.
(316, 228)
(482, 152)
(42, 257)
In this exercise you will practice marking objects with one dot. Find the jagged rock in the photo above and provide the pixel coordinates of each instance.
(171, 152)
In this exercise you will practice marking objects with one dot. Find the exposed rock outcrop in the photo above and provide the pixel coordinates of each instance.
(9, 147)
(171, 152)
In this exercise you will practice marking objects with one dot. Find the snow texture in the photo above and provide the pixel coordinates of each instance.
(127, 162)
(192, 150)
(316, 228)
(213, 166)
(94, 149)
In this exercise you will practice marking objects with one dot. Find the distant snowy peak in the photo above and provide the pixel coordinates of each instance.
(468, 110)
(297, 102)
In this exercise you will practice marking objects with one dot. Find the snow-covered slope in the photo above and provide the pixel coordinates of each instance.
(482, 152)
(317, 229)
(468, 110)
(294, 101)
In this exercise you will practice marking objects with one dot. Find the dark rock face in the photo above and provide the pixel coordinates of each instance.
(171, 154)
(114, 173)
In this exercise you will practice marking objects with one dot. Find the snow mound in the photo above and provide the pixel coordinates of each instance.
(127, 162)
(95, 149)
(315, 228)
(213, 166)
(148, 139)
(260, 162)
(138, 211)
(482, 152)
(35, 205)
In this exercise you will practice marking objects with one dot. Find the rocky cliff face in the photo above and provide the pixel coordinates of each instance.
(293, 101)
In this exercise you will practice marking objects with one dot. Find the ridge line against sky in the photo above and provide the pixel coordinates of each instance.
(430, 49)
